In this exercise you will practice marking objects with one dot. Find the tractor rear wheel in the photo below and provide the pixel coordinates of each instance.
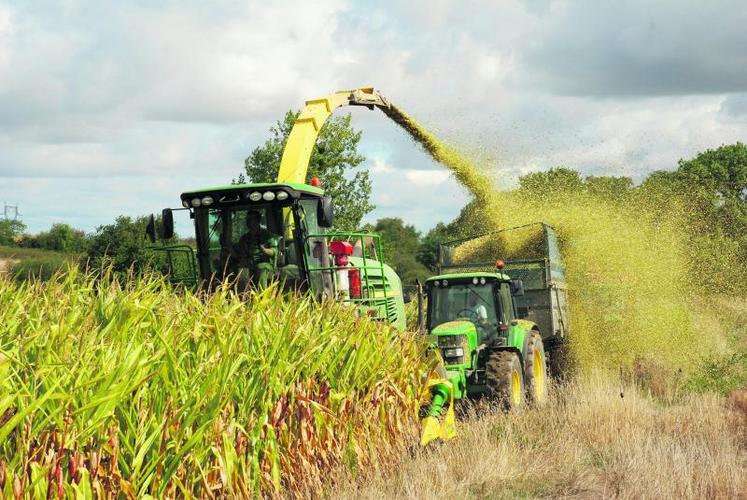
(505, 379)
(535, 368)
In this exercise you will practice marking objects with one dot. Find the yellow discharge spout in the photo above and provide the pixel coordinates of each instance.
(295, 162)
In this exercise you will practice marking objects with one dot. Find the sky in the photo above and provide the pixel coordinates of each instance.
(110, 108)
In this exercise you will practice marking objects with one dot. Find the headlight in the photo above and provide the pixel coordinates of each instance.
(482, 281)
(255, 196)
(453, 353)
(268, 196)
(475, 281)
(451, 340)
(437, 283)
(282, 195)
(445, 283)
(185, 203)
(195, 202)
(207, 201)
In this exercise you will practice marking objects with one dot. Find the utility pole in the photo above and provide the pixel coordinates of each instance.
(10, 209)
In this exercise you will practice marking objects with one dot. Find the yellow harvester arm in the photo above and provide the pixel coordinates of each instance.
(297, 152)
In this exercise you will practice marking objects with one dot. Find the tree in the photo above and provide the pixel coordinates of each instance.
(428, 248)
(551, 181)
(721, 176)
(609, 187)
(334, 159)
(556, 181)
(10, 230)
(60, 238)
(122, 245)
(401, 243)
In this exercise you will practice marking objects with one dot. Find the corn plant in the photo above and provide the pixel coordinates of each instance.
(126, 389)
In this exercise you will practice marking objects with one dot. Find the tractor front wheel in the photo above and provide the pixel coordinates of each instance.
(535, 368)
(505, 379)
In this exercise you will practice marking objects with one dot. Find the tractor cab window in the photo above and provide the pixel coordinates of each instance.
(461, 302)
(507, 310)
(249, 245)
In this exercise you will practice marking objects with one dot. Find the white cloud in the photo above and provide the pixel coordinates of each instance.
(139, 102)
(380, 166)
(427, 177)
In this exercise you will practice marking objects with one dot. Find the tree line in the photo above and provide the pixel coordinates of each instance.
(711, 187)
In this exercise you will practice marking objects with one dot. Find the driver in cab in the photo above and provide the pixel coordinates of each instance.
(257, 251)
(478, 310)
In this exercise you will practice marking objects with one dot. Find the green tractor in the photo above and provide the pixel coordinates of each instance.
(494, 324)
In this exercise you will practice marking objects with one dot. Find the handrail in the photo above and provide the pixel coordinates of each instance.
(374, 298)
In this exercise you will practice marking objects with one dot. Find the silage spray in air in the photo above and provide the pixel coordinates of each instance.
(629, 278)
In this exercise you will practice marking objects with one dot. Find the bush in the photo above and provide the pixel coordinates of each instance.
(60, 238)
(123, 247)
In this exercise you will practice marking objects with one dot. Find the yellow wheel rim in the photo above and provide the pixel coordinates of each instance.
(516, 388)
(538, 367)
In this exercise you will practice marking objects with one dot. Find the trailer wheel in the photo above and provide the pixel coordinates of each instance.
(505, 379)
(535, 368)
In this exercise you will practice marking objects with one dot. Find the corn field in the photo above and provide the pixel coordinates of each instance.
(114, 389)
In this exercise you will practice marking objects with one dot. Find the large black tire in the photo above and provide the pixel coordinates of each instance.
(535, 368)
(505, 379)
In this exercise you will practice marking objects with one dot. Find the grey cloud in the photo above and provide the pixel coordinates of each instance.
(735, 105)
(640, 48)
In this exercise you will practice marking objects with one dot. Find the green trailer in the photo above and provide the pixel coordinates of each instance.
(494, 324)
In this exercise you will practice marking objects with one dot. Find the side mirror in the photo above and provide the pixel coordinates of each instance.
(167, 220)
(517, 288)
(150, 229)
(325, 213)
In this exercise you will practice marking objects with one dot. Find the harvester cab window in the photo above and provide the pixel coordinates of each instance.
(462, 302)
(248, 244)
(315, 247)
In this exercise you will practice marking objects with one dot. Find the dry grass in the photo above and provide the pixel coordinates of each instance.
(6, 264)
(588, 442)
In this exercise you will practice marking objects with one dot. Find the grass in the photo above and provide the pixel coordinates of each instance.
(727, 371)
(33, 263)
(586, 442)
(132, 389)
(18, 253)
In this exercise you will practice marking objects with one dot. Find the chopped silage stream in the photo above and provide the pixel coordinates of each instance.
(630, 282)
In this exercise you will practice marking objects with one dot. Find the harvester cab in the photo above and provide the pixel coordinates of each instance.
(492, 321)
(252, 234)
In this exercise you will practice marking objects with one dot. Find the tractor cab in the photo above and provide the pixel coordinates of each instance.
(482, 299)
